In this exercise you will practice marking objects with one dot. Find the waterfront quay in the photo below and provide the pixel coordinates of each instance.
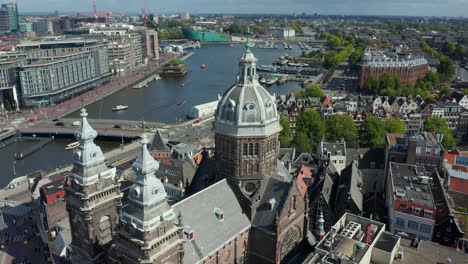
(73, 104)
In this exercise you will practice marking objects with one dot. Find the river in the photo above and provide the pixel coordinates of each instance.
(157, 102)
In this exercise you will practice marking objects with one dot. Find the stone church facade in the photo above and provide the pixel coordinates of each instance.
(253, 213)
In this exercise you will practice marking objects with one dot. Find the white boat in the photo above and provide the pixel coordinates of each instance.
(72, 145)
(120, 107)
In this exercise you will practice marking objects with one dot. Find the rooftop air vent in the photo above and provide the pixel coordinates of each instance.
(219, 214)
(188, 233)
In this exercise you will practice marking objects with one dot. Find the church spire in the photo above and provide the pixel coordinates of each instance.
(247, 43)
(321, 231)
(88, 159)
(85, 132)
(147, 198)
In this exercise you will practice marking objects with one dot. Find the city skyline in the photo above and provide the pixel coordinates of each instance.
(451, 8)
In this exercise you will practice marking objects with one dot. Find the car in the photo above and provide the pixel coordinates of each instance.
(55, 120)
(32, 119)
(60, 124)
(197, 121)
(117, 126)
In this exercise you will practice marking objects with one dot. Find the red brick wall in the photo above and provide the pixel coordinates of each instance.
(406, 75)
(409, 209)
(458, 185)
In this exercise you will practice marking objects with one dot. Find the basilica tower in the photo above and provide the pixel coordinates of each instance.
(246, 131)
(149, 232)
(93, 199)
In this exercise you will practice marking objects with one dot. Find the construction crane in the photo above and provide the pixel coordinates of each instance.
(143, 11)
(95, 12)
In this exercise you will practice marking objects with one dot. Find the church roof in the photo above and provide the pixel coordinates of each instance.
(247, 108)
(88, 159)
(198, 215)
(276, 192)
(147, 197)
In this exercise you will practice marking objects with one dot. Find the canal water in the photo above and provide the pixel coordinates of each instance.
(53, 155)
(160, 101)
(157, 102)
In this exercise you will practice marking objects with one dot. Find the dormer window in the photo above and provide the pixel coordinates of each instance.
(219, 214)
(189, 233)
(428, 213)
(416, 211)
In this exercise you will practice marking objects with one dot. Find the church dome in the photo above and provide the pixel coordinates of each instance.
(247, 108)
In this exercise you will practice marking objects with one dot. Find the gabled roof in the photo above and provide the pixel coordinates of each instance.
(159, 144)
(349, 185)
(277, 190)
(303, 173)
(457, 96)
(198, 215)
(326, 101)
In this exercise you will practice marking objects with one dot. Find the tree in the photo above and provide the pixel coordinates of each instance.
(354, 57)
(8, 105)
(446, 69)
(445, 90)
(314, 90)
(23, 103)
(433, 78)
(235, 28)
(373, 83)
(302, 142)
(387, 82)
(334, 42)
(438, 125)
(460, 51)
(312, 125)
(373, 134)
(342, 126)
(285, 135)
(449, 48)
(394, 125)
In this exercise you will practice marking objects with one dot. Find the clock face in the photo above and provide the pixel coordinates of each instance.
(155, 191)
(250, 187)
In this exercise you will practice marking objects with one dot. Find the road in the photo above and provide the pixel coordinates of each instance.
(61, 109)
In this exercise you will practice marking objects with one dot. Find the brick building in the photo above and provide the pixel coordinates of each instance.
(408, 69)
(456, 170)
(411, 206)
(422, 149)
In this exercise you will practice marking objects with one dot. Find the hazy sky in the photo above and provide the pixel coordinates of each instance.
(367, 7)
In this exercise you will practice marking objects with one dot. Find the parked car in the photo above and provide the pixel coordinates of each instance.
(55, 120)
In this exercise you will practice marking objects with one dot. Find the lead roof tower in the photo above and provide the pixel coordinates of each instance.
(149, 232)
(246, 131)
(93, 199)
